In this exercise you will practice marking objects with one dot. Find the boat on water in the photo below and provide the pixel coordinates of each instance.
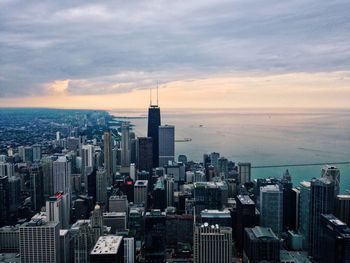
(184, 140)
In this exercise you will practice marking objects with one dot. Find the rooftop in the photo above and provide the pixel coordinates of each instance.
(141, 183)
(107, 245)
(263, 233)
(245, 200)
(215, 213)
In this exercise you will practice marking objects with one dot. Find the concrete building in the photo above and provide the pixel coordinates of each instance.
(118, 203)
(9, 239)
(39, 242)
(212, 244)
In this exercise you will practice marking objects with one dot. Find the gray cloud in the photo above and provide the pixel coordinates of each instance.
(117, 46)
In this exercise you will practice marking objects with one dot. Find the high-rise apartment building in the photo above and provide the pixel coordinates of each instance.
(166, 144)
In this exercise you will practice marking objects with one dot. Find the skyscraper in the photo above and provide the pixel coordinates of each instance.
(153, 123)
(166, 144)
(304, 212)
(39, 242)
(101, 186)
(62, 175)
(245, 218)
(335, 236)
(129, 250)
(212, 244)
(107, 143)
(271, 208)
(140, 192)
(155, 236)
(244, 171)
(333, 174)
(144, 154)
(4, 199)
(125, 158)
(342, 208)
(36, 187)
(321, 202)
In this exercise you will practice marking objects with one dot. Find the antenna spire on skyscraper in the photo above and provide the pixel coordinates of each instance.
(157, 92)
(150, 96)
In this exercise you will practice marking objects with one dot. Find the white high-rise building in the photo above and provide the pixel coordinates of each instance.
(58, 136)
(132, 171)
(212, 244)
(36, 152)
(166, 144)
(54, 210)
(125, 156)
(129, 250)
(62, 175)
(39, 242)
(271, 208)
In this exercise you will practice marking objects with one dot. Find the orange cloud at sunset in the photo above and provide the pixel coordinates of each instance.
(285, 90)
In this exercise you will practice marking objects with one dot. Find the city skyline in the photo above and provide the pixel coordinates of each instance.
(205, 54)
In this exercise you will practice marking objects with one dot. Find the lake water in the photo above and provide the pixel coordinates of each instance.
(262, 137)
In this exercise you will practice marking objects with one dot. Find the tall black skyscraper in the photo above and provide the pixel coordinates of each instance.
(4, 199)
(153, 132)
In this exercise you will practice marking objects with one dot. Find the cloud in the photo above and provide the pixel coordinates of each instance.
(117, 46)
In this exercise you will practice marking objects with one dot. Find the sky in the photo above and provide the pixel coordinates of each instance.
(204, 54)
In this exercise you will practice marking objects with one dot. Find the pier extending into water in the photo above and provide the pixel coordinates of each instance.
(297, 165)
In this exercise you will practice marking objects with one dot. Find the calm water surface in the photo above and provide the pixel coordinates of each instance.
(262, 137)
